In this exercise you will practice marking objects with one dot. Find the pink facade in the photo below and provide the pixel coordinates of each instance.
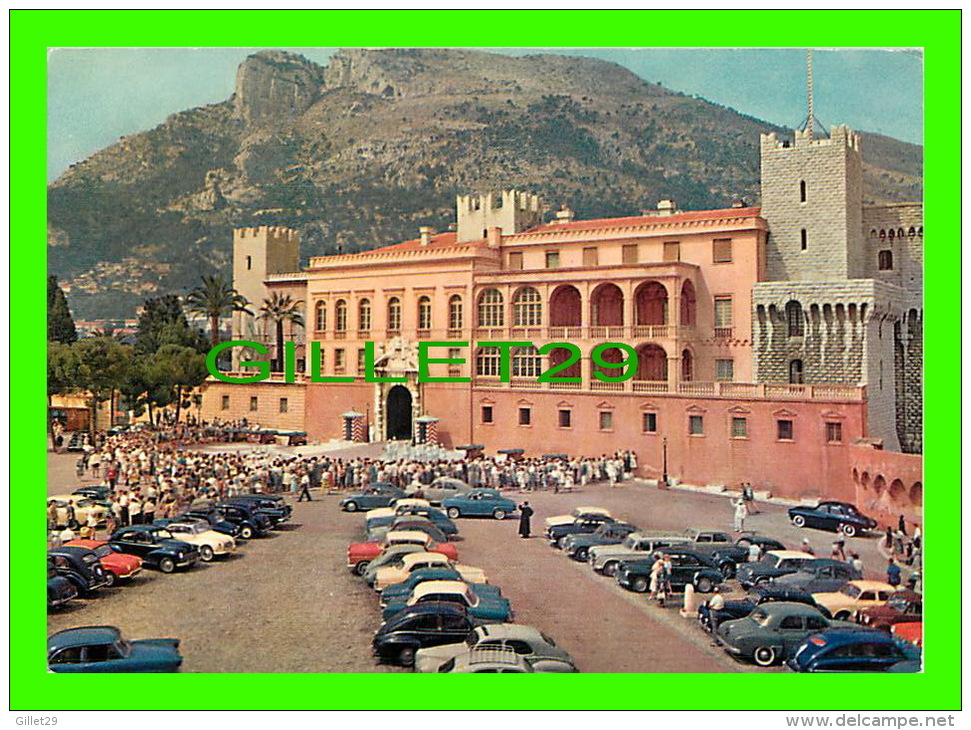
(887, 482)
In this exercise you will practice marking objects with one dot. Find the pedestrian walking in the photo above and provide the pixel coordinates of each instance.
(715, 604)
(740, 512)
(304, 488)
(857, 563)
(893, 573)
(839, 551)
(525, 514)
(902, 525)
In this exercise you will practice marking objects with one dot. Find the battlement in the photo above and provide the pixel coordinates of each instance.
(269, 232)
(512, 211)
(839, 136)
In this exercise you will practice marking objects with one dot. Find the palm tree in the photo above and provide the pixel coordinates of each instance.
(278, 309)
(214, 299)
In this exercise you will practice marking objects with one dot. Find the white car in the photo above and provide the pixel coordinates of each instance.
(392, 575)
(578, 512)
(210, 542)
(83, 506)
(528, 642)
(606, 558)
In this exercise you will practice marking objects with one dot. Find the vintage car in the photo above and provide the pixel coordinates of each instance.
(379, 494)
(440, 489)
(773, 631)
(706, 541)
(609, 533)
(606, 558)
(59, 589)
(830, 515)
(484, 607)
(772, 565)
(211, 544)
(97, 492)
(274, 515)
(487, 660)
(156, 546)
(410, 502)
(437, 516)
(102, 649)
(577, 513)
(83, 506)
(855, 596)
(251, 522)
(401, 591)
(391, 556)
(118, 566)
(210, 517)
(81, 566)
(910, 631)
(272, 505)
(399, 570)
(687, 568)
(557, 534)
(537, 648)
(727, 558)
(756, 596)
(823, 575)
(903, 607)
(419, 627)
(407, 523)
(479, 502)
(359, 554)
(851, 650)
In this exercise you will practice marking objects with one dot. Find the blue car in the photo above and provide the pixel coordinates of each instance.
(103, 649)
(438, 518)
(851, 650)
(59, 589)
(401, 591)
(379, 494)
(484, 607)
(480, 502)
(830, 515)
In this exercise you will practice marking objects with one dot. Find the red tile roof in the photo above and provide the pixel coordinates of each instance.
(438, 240)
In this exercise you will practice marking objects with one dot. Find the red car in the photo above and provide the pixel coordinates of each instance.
(903, 607)
(359, 554)
(118, 566)
(912, 631)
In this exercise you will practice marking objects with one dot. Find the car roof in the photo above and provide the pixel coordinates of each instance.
(436, 607)
(70, 550)
(89, 544)
(379, 512)
(648, 536)
(790, 554)
(412, 558)
(407, 536)
(836, 501)
(439, 586)
(851, 634)
(509, 631)
(591, 511)
(789, 608)
(412, 500)
(772, 589)
(142, 528)
(872, 585)
(82, 636)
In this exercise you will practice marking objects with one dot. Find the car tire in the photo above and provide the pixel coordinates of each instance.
(246, 532)
(499, 514)
(406, 657)
(206, 553)
(764, 656)
(842, 616)
(848, 530)
(582, 554)
(561, 543)
(166, 565)
(704, 584)
(361, 567)
(799, 521)
(610, 569)
(453, 512)
(110, 579)
(640, 585)
(727, 570)
(351, 506)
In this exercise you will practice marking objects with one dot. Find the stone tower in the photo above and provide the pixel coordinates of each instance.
(512, 211)
(257, 253)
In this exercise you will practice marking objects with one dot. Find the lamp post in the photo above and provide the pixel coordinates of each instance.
(664, 461)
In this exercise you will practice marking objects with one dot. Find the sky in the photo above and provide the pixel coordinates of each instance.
(97, 95)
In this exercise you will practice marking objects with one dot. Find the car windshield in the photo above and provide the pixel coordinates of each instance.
(630, 542)
(771, 560)
(163, 535)
(898, 604)
(850, 590)
(188, 529)
(103, 551)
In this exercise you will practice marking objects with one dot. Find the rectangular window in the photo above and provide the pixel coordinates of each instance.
(723, 316)
(739, 427)
(590, 256)
(254, 403)
(565, 418)
(803, 240)
(525, 416)
(487, 414)
(629, 253)
(722, 251)
(360, 361)
(724, 369)
(672, 250)
(606, 420)
(649, 422)
(249, 263)
(284, 405)
(696, 425)
(552, 259)
(516, 260)
(338, 361)
(784, 429)
(834, 432)
(454, 353)
(225, 402)
(802, 191)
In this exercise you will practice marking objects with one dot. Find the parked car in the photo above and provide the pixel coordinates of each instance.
(212, 518)
(904, 606)
(484, 607)
(480, 502)
(118, 566)
(822, 575)
(407, 523)
(437, 517)
(910, 631)
(59, 589)
(851, 650)
(379, 494)
(400, 570)
(272, 505)
(756, 596)
(855, 596)
(390, 556)
(103, 649)
(537, 648)
(359, 554)
(707, 541)
(687, 568)
(156, 546)
(82, 507)
(606, 558)
(440, 489)
(830, 515)
(273, 514)
(401, 591)
(577, 513)
(609, 533)
(727, 558)
(492, 660)
(419, 627)
(773, 564)
(80, 566)
(773, 631)
(557, 534)
(251, 522)
(97, 492)
(211, 544)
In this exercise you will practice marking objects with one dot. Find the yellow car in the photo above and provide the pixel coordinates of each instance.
(392, 575)
(83, 506)
(209, 542)
(577, 513)
(855, 596)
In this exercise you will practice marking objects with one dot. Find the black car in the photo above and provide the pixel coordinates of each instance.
(831, 515)
(687, 568)
(80, 566)
(156, 546)
(210, 516)
(270, 500)
(557, 534)
(822, 575)
(251, 522)
(578, 546)
(274, 511)
(59, 589)
(728, 558)
(95, 492)
(773, 564)
(422, 625)
(755, 597)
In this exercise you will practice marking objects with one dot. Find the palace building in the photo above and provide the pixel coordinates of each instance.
(779, 345)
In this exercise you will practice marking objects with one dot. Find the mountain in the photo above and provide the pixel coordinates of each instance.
(361, 152)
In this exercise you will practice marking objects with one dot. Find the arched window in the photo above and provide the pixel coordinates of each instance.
(795, 319)
(526, 362)
(340, 316)
(455, 312)
(424, 313)
(491, 309)
(487, 361)
(795, 372)
(689, 305)
(885, 260)
(364, 315)
(687, 365)
(320, 316)
(527, 308)
(394, 314)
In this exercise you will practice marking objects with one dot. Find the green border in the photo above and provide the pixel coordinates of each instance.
(31, 32)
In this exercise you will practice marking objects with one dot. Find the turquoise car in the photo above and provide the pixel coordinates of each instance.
(480, 502)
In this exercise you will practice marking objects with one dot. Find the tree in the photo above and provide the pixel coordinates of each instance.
(215, 298)
(63, 372)
(163, 322)
(174, 369)
(60, 323)
(103, 365)
(278, 309)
